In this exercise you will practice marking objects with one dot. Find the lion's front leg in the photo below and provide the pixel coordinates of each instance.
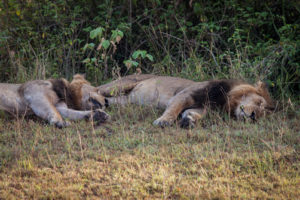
(176, 105)
(96, 115)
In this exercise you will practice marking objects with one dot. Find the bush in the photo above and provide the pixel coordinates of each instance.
(193, 39)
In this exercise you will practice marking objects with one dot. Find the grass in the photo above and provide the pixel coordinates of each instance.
(131, 159)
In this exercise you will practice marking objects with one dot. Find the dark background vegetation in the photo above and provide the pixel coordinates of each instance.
(192, 39)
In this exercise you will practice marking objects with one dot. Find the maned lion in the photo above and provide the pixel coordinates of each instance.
(188, 98)
(54, 100)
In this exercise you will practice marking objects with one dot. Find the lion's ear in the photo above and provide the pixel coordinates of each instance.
(263, 91)
(79, 76)
(260, 85)
(65, 81)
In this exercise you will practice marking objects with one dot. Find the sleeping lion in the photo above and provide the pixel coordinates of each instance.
(54, 99)
(188, 98)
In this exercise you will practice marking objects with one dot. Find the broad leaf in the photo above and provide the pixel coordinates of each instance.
(88, 46)
(105, 44)
(138, 53)
(150, 57)
(129, 63)
(96, 32)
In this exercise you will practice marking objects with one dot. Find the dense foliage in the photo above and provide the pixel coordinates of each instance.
(193, 39)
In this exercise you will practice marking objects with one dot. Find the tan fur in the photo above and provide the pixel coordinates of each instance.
(75, 88)
(177, 95)
(237, 93)
(54, 100)
(82, 91)
(263, 91)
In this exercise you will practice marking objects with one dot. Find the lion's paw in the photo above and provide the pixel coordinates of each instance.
(162, 123)
(100, 116)
(61, 124)
(186, 123)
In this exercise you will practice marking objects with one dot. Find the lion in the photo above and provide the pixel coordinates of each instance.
(54, 99)
(189, 99)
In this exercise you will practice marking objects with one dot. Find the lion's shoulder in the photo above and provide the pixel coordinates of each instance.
(213, 92)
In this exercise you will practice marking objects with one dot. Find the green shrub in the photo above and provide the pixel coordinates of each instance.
(194, 39)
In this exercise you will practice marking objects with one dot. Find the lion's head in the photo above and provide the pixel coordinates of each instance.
(250, 102)
(86, 96)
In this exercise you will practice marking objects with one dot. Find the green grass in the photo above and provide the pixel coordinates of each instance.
(131, 159)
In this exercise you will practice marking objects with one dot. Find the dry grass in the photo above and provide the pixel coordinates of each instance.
(129, 158)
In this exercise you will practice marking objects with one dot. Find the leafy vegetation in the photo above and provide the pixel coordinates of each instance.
(193, 39)
(102, 53)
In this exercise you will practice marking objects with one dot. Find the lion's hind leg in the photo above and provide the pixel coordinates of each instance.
(43, 108)
(123, 85)
(41, 99)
